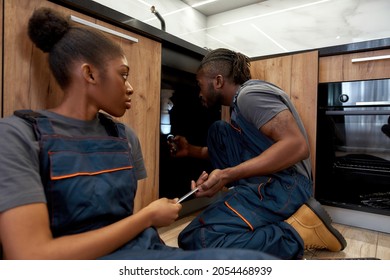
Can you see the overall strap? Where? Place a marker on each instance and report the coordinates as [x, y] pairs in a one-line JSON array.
[[40, 123], [112, 127], [43, 126]]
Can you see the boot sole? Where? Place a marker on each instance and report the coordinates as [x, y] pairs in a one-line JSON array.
[[317, 208]]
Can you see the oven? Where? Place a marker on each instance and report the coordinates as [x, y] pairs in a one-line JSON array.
[[353, 146]]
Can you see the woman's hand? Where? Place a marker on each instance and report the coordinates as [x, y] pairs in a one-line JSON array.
[[163, 211]]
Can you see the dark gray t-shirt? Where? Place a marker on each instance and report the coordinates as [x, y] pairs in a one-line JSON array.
[[20, 181]]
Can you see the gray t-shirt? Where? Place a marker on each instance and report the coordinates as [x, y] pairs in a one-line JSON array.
[[260, 106], [20, 181], [260, 102]]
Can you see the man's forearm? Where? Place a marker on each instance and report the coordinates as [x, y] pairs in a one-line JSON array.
[[198, 152]]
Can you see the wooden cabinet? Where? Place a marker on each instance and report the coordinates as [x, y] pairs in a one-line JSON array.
[[355, 66], [27, 82], [297, 75]]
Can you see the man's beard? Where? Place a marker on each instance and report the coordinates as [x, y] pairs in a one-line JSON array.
[[213, 100]]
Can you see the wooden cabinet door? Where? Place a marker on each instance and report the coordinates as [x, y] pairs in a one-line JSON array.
[[276, 70], [355, 66], [297, 75], [29, 84]]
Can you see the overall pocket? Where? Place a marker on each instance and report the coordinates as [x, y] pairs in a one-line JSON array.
[[89, 190]]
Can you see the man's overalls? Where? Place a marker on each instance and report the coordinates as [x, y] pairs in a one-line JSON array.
[[251, 215], [89, 183]]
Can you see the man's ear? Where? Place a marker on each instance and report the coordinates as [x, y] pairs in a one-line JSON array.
[[88, 73], [218, 81]]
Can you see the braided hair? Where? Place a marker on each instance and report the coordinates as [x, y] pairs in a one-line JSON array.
[[232, 65], [53, 33]]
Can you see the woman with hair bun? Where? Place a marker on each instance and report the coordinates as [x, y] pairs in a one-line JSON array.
[[69, 173]]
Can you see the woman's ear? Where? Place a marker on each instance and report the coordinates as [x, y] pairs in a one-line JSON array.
[[88, 73]]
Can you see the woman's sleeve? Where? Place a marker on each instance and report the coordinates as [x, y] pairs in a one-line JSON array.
[[20, 181], [136, 151]]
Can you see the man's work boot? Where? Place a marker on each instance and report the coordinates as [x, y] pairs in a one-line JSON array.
[[313, 224]]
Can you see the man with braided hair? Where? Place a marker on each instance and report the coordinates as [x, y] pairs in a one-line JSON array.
[[262, 156]]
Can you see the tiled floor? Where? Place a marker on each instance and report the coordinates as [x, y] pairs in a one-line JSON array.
[[361, 243]]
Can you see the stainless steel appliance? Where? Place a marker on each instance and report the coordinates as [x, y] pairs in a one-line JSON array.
[[353, 149]]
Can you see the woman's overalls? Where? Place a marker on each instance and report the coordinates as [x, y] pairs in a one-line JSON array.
[[251, 215], [89, 183]]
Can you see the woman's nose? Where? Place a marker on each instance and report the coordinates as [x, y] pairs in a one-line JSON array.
[[129, 88]]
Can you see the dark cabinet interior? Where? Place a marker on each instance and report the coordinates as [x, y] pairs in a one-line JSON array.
[[187, 118]]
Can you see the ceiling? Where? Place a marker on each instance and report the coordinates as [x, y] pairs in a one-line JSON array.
[[217, 7], [259, 28], [265, 27]]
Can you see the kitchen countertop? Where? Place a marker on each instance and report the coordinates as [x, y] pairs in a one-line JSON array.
[[356, 47], [177, 44]]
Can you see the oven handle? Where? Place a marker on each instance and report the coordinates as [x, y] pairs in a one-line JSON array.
[[369, 103], [357, 112]]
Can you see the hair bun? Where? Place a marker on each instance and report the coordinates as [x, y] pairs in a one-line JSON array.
[[46, 27]]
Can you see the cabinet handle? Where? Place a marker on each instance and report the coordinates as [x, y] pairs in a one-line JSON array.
[[102, 28], [354, 60]]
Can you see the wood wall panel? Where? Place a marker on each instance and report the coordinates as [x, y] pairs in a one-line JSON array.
[[27, 79], [29, 84]]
